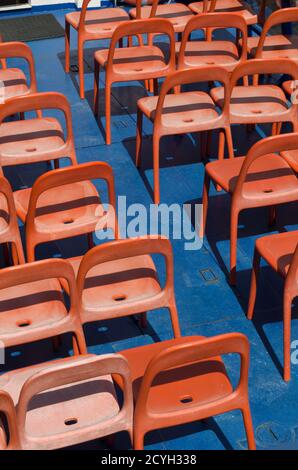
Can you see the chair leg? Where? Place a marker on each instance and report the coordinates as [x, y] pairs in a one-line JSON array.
[[156, 139], [155, 87], [56, 341], [96, 87], [249, 430], [221, 152], [205, 201], [253, 284], [108, 112], [175, 321], [233, 245], [79, 343], [272, 216], [230, 143], [67, 46], [143, 320], [90, 240], [56, 164], [287, 314], [81, 69], [139, 137], [138, 441]]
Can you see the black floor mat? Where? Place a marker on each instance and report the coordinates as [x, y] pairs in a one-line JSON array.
[[30, 28]]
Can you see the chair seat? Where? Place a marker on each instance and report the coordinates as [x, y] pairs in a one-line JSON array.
[[201, 382], [278, 250], [182, 111], [268, 177], [24, 141], [118, 284], [14, 82], [221, 53], [30, 306], [253, 103], [177, 13], [74, 205], [99, 23], [277, 46], [67, 408], [134, 62], [229, 6]]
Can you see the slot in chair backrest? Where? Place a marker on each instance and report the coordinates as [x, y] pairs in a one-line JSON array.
[[214, 21], [11, 234], [142, 26], [42, 101], [195, 75], [67, 176], [270, 145], [66, 374], [257, 67], [284, 15], [20, 50], [183, 354]]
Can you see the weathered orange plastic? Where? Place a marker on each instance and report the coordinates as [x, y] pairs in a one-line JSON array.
[[226, 6], [184, 380], [256, 103], [90, 25], [177, 13], [32, 305], [37, 139], [277, 46], [132, 63], [68, 401], [261, 179], [65, 203], [281, 252], [119, 278], [14, 79], [9, 229], [7, 408], [185, 112], [212, 52]]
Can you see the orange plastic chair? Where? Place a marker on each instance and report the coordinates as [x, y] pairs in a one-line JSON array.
[[184, 380], [280, 251], [32, 306], [256, 103], [177, 13], [7, 409], [65, 203], [226, 6], [223, 53], [184, 112], [132, 63], [38, 139], [119, 278], [90, 25], [261, 179], [13, 80], [275, 46], [83, 408], [9, 229]]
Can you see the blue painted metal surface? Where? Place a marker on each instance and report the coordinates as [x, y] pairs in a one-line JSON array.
[[207, 304]]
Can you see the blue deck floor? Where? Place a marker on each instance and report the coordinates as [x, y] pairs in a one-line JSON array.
[[207, 305]]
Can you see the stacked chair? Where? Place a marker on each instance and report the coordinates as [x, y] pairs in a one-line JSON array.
[[72, 400]]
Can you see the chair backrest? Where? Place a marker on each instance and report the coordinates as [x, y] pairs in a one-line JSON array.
[[181, 355], [284, 15], [67, 176], [257, 67], [41, 101], [120, 249], [7, 408], [193, 76], [20, 50], [42, 270], [270, 145], [214, 20], [67, 374], [84, 12], [143, 26], [11, 234]]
